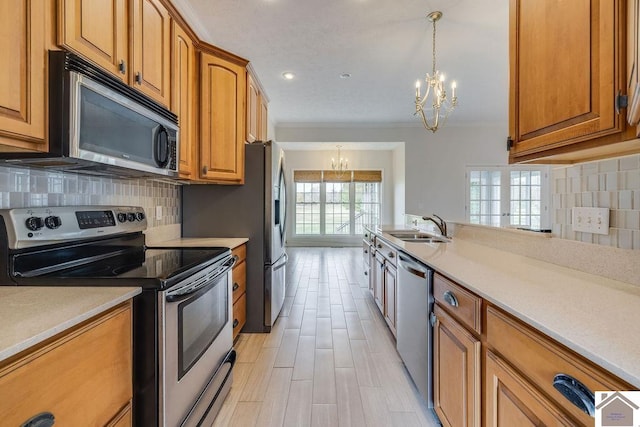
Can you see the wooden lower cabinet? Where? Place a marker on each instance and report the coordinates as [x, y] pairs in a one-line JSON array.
[[511, 400], [239, 288], [456, 372], [390, 289], [83, 377]]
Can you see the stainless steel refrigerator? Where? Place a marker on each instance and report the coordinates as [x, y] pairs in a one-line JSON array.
[[256, 210]]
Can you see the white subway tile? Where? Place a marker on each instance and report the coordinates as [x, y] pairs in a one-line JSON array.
[[625, 239], [608, 165], [612, 181], [593, 182], [630, 162], [631, 219], [625, 199], [632, 179]]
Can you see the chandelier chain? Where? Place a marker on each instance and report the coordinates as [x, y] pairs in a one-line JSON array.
[[433, 56]]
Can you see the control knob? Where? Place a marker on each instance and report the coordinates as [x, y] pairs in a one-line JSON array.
[[52, 222], [131, 216], [122, 217], [34, 223], [140, 216]]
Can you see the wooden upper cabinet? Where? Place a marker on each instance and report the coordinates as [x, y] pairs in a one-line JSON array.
[[182, 95], [150, 70], [566, 69], [97, 30], [633, 49], [264, 116], [253, 110], [23, 85], [222, 119]]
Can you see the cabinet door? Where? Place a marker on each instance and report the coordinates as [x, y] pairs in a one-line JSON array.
[[151, 49], [633, 49], [97, 30], [511, 400], [264, 119], [378, 282], [223, 86], [390, 287], [23, 84], [456, 373], [564, 70], [253, 110], [182, 99]]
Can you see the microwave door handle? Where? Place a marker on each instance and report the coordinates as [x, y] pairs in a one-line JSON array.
[[161, 146]]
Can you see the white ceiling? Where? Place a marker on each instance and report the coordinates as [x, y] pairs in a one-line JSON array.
[[384, 44]]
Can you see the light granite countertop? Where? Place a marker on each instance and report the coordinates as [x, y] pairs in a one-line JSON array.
[[186, 242], [592, 315], [30, 315]]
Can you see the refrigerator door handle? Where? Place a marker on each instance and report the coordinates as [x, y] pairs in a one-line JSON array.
[[279, 265]]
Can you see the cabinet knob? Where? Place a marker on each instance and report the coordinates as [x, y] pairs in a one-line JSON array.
[[433, 319], [122, 67], [235, 323], [379, 246], [391, 255], [43, 419], [450, 299], [576, 393], [366, 251], [139, 77], [235, 287], [366, 273], [205, 169]]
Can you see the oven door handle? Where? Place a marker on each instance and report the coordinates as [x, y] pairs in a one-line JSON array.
[[187, 291]]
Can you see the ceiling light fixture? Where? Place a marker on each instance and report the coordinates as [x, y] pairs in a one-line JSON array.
[[288, 75], [341, 166], [440, 106], [345, 75]]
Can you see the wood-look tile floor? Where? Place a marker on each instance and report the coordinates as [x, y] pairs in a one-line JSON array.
[[330, 359]]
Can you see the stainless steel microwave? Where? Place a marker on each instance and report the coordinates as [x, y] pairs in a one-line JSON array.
[[100, 126]]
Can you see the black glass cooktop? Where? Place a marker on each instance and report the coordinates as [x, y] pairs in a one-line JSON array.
[[113, 262]]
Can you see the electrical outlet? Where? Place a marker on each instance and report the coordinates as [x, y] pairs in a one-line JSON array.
[[158, 213], [590, 220]]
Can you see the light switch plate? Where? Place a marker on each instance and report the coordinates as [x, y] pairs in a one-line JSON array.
[[590, 220]]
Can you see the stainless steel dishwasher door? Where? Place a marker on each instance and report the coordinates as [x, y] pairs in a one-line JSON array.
[[414, 332]]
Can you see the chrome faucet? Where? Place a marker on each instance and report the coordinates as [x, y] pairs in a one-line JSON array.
[[440, 223]]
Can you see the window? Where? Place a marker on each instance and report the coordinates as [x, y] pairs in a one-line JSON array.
[[331, 204], [508, 196]]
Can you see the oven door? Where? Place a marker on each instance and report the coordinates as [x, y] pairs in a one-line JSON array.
[[195, 336]]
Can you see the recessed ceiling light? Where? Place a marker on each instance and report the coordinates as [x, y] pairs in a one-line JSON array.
[[288, 75], [345, 75]]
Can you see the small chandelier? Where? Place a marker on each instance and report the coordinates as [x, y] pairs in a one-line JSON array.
[[341, 166], [439, 106]]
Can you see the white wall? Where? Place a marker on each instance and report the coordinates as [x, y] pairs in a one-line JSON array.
[[434, 163], [398, 184], [358, 160]]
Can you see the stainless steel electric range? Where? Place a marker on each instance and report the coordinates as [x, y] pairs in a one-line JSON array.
[[182, 332]]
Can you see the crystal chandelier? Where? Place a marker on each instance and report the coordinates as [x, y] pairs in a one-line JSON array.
[[438, 106], [341, 166]]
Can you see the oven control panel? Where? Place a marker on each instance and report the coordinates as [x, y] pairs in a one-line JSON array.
[[28, 227]]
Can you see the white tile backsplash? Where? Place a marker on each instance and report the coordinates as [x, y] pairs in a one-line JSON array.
[[613, 184], [33, 187]]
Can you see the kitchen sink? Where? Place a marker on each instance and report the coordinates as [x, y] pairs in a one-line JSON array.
[[419, 237]]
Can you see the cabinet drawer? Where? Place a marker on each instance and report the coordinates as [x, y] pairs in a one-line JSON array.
[[83, 377], [239, 274], [388, 252], [239, 314], [462, 304], [240, 252], [540, 359]]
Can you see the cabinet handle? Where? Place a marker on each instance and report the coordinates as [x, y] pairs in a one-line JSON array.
[[379, 246], [235, 287], [139, 77], [235, 323], [122, 67], [366, 251], [450, 299], [366, 273], [433, 319], [366, 235], [391, 255], [205, 169], [43, 419], [576, 393]]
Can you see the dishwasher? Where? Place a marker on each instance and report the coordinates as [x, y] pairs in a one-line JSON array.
[[413, 330]]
